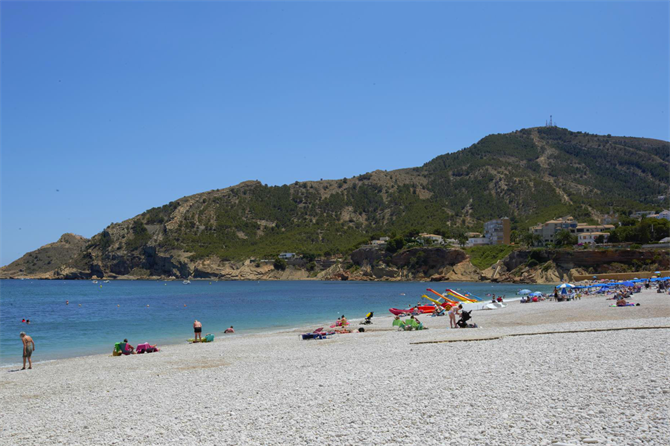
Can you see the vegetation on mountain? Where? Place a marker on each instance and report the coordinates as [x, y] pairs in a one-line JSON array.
[[485, 256], [530, 176], [645, 231]]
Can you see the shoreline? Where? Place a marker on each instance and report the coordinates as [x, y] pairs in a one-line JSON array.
[[377, 387]]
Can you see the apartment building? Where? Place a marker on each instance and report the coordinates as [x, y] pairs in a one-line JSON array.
[[497, 232]]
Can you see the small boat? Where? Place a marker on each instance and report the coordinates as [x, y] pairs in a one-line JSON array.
[[95, 281], [186, 282], [106, 281]]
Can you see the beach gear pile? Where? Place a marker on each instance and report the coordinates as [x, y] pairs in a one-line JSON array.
[[316, 334], [207, 338]]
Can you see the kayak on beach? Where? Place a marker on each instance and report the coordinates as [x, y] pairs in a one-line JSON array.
[[421, 309]]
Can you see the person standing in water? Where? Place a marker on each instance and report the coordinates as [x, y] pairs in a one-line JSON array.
[[197, 329], [28, 348]]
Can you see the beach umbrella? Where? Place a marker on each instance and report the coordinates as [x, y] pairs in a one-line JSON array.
[[566, 285], [535, 293], [628, 283], [524, 291]]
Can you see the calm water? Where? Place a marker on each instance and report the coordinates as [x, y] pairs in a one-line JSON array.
[[163, 312]]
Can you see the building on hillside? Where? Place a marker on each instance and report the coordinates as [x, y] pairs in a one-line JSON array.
[[609, 219], [641, 214], [451, 242], [589, 238], [547, 231], [287, 255], [384, 239], [431, 239], [587, 228], [473, 234], [664, 215], [381, 244], [476, 241], [497, 232]]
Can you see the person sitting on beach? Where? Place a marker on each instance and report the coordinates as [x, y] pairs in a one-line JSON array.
[[197, 329], [230, 330], [127, 348], [344, 321], [621, 302]]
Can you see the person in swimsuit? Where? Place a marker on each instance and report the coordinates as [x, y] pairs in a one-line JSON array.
[[28, 348], [197, 329], [455, 310], [230, 330]]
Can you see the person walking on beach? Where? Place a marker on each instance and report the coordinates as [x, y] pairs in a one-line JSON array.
[[28, 348], [197, 329]]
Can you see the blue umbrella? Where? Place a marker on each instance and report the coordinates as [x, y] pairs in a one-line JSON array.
[[524, 291], [536, 293]]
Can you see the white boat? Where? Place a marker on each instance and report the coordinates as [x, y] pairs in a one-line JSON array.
[[186, 282], [95, 281], [106, 281]]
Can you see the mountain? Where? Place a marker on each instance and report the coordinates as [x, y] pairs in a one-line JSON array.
[[530, 175], [47, 258]]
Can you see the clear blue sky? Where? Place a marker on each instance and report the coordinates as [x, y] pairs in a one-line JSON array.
[[109, 109]]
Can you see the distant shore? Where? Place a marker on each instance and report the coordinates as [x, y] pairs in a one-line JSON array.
[[376, 387]]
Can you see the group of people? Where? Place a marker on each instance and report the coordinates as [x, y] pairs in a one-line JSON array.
[[124, 348], [197, 330], [453, 311]]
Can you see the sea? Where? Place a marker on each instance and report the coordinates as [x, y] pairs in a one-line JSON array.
[[77, 318]]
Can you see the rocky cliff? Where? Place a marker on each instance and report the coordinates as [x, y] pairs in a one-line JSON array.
[[44, 261]]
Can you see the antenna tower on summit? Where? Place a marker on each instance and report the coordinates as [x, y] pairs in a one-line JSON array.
[[551, 122]]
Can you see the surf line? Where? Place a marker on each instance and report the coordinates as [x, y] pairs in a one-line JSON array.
[[492, 338]]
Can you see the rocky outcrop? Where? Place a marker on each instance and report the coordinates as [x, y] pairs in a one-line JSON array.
[[464, 272], [42, 262]]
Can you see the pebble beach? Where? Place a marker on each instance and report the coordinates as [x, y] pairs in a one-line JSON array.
[[378, 387]]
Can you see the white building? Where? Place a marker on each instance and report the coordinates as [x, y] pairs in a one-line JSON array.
[[476, 241], [589, 238], [286, 255], [641, 214], [432, 238]]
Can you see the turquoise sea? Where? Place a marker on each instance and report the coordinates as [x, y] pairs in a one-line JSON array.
[[98, 315]]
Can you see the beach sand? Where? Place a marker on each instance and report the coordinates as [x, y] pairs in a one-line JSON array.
[[372, 388]]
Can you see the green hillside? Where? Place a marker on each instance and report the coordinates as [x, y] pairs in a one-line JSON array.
[[530, 175]]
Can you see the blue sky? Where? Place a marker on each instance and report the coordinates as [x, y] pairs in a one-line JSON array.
[[109, 109]]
